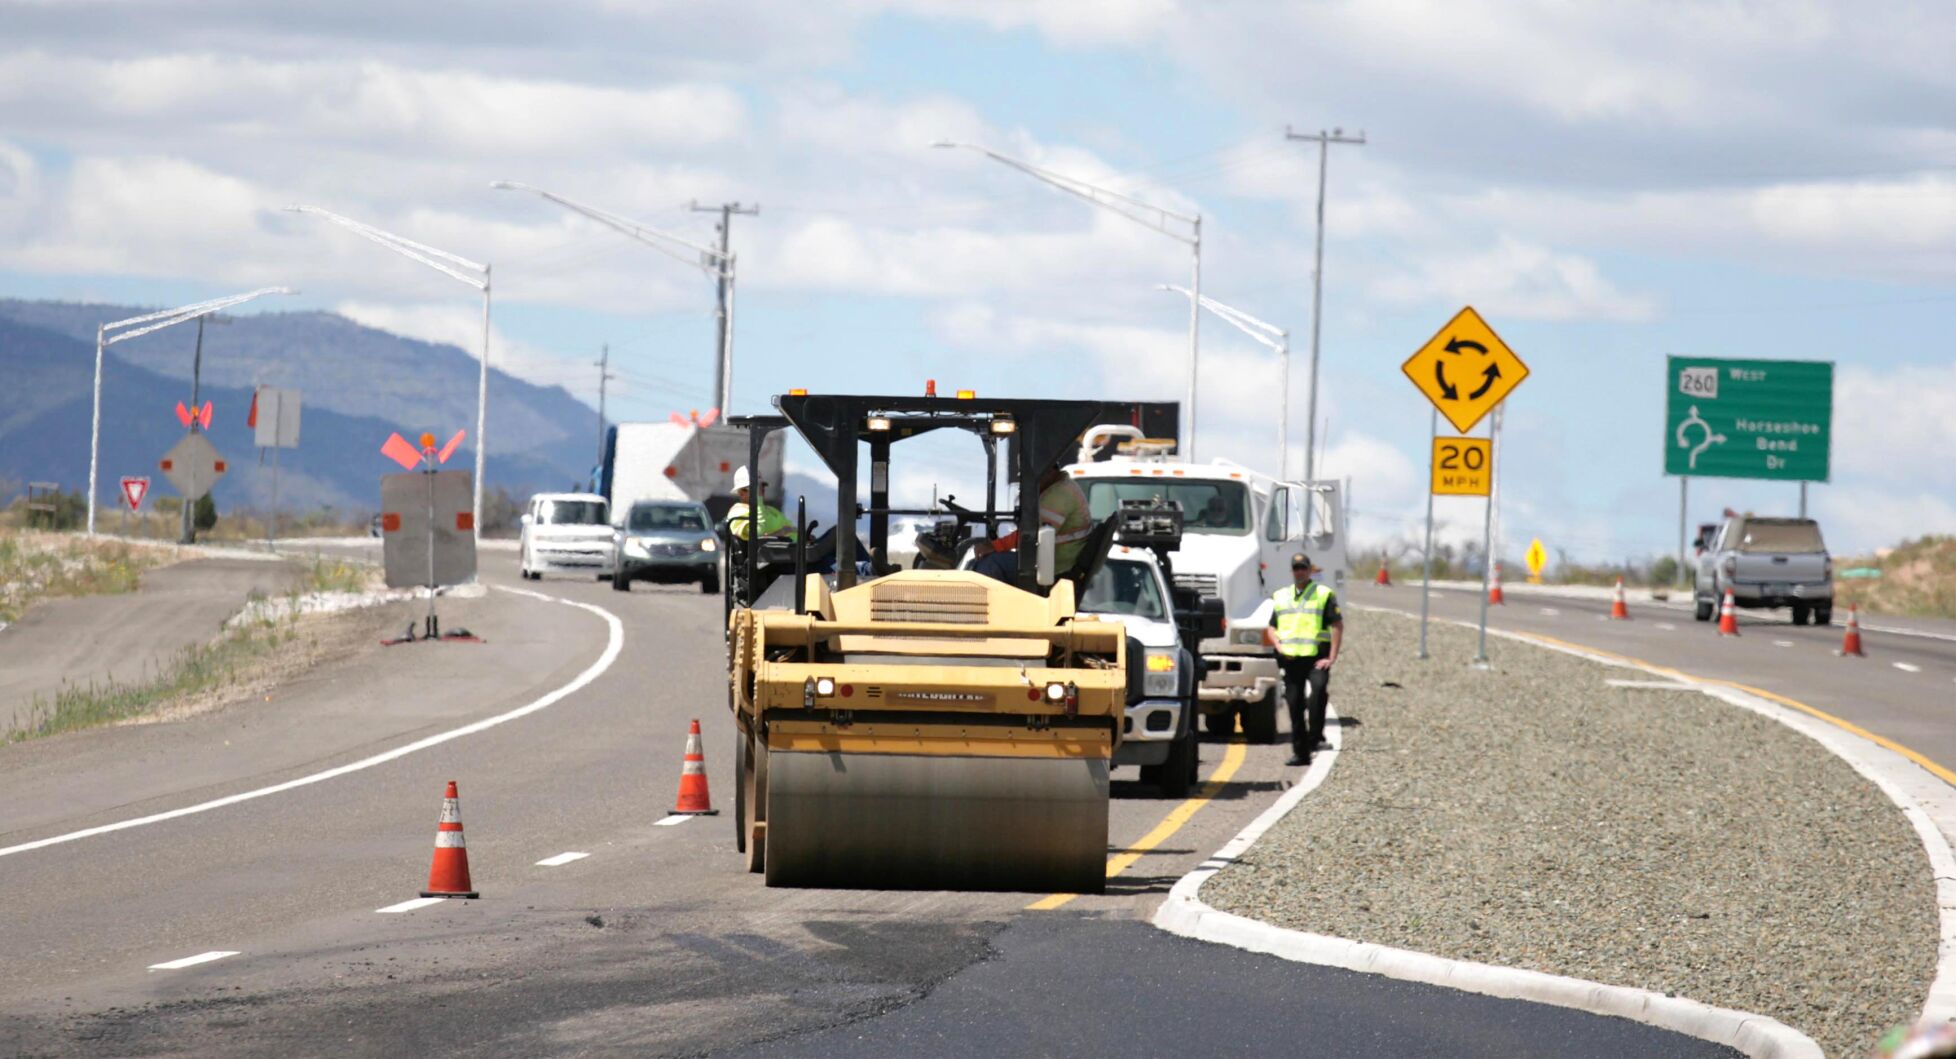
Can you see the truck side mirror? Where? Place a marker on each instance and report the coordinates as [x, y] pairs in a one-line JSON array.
[[525, 518], [1214, 624], [1048, 550]]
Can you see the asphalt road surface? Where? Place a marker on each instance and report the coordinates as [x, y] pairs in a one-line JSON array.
[[273, 832], [70, 642]]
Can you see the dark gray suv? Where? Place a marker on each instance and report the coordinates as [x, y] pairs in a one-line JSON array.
[[668, 542]]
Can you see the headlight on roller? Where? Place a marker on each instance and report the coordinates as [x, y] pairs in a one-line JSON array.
[[1161, 677]]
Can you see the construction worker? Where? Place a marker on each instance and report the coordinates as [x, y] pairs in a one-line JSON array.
[[1063, 506], [1310, 631], [773, 522]]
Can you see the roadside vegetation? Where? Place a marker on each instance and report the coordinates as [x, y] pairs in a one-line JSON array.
[[273, 639], [1451, 563], [1916, 578], [36, 566]]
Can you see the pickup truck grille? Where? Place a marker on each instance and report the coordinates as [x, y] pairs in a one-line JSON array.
[[1201, 584], [956, 604]]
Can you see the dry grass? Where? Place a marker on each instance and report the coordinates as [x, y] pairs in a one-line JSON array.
[[35, 566], [1918, 578]]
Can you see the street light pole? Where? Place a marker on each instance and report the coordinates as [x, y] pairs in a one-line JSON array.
[[455, 267], [1266, 334], [149, 322], [1167, 222], [717, 264], [1324, 141]]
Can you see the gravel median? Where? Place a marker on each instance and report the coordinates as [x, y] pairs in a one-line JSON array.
[[1533, 816]]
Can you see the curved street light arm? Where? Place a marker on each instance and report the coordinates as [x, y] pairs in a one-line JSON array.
[[1142, 213], [663, 242], [440, 260]]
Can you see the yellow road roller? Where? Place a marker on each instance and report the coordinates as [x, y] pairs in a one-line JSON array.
[[906, 728]]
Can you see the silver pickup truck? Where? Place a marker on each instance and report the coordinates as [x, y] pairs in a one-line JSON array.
[[1766, 562]]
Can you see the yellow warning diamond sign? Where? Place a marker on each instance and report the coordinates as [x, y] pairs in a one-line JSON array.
[[1537, 558], [1465, 370]]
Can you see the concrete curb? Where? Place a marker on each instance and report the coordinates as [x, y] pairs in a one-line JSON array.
[[1758, 1036]]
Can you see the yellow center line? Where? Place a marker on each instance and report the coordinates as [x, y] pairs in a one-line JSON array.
[[1916, 756], [1180, 815]]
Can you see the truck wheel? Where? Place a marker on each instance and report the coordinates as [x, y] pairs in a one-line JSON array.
[[1704, 611], [1260, 718], [1173, 776], [710, 584], [620, 582], [1800, 615], [1823, 615], [1222, 723]]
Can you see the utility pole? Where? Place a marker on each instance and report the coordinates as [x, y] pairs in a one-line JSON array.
[[604, 376], [1324, 141], [723, 351]]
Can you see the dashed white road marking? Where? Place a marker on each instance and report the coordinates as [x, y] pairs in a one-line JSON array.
[[192, 961], [411, 905], [1907, 667], [675, 819], [1666, 626], [560, 860], [1550, 611], [1782, 643], [614, 644]]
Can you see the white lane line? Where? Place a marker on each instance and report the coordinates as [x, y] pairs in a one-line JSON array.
[[1550, 611], [613, 646], [560, 860], [1782, 643], [1666, 626], [1654, 685], [411, 905], [1907, 668], [674, 820], [191, 961]]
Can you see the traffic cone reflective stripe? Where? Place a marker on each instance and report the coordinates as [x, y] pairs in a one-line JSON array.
[[1619, 610], [1384, 578], [1494, 588], [1851, 642], [693, 797], [448, 875], [1728, 619]]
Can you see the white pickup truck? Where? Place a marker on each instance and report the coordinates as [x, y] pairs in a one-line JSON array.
[[1766, 562], [1241, 527]]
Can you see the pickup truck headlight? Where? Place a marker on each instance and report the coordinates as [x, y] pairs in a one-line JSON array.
[[636, 546], [1161, 677], [708, 544]]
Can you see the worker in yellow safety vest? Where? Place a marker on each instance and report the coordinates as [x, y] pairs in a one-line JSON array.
[[1310, 631], [1063, 506], [772, 522]]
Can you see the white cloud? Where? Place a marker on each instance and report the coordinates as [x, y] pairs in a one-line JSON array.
[[461, 326], [1514, 278]]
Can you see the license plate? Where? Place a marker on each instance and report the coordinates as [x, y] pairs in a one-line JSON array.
[[1779, 590]]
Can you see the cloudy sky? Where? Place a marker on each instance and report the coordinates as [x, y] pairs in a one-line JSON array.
[[1606, 183]]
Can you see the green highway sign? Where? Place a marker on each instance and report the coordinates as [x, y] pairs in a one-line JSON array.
[[1748, 418]]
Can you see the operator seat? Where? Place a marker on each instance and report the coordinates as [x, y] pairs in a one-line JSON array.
[[1093, 552]]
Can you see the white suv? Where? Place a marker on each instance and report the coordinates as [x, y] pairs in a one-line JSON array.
[[567, 533]]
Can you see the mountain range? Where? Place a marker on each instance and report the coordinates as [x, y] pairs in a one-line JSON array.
[[357, 385]]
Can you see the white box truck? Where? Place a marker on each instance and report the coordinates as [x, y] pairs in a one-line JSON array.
[[682, 461]]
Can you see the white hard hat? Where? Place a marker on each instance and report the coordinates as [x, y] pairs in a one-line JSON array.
[[740, 478]]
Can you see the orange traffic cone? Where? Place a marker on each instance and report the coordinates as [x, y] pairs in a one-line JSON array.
[[1384, 578], [1494, 587], [1851, 643], [1619, 610], [1728, 619], [693, 797], [448, 876]]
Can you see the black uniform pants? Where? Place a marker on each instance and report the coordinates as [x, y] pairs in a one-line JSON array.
[[1305, 686]]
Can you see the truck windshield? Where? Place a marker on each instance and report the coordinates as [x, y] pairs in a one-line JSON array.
[[1776, 536], [668, 517], [571, 513], [1125, 587], [1207, 506]]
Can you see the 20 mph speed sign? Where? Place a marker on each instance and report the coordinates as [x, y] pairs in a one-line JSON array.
[[1463, 466]]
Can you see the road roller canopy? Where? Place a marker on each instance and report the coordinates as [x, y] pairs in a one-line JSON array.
[[1036, 435]]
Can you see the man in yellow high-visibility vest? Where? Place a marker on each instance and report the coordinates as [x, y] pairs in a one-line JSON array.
[[1310, 631]]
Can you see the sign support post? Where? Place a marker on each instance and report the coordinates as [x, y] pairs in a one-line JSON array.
[[1426, 581], [1684, 496], [1487, 529]]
